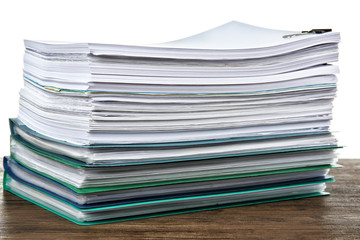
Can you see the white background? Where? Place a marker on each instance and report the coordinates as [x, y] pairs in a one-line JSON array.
[[144, 22]]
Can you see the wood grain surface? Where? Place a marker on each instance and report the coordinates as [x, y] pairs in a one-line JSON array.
[[331, 217]]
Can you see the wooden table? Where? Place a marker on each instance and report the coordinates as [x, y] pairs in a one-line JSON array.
[[331, 217]]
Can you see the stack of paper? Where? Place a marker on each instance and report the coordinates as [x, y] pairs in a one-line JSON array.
[[232, 116]]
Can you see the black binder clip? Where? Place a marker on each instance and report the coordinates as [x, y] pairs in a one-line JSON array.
[[312, 31], [318, 31]]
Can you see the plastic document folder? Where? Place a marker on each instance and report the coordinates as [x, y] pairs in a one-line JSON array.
[[232, 116], [160, 206]]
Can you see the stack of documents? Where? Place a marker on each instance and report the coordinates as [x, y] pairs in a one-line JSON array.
[[232, 116]]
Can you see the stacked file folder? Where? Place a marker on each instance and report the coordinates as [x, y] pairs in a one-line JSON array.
[[232, 116]]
